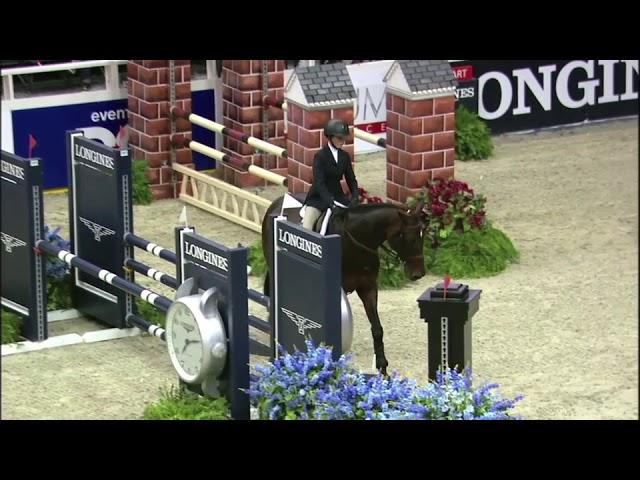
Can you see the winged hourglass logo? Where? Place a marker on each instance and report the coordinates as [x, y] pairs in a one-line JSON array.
[[98, 230], [10, 242], [301, 322]]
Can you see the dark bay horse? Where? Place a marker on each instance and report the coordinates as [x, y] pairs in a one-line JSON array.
[[364, 229]]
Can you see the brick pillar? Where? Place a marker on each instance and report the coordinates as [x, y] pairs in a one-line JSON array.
[[242, 111], [305, 138], [149, 123], [420, 143]]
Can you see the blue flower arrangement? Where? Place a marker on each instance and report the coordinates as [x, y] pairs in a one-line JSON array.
[[312, 386], [57, 273], [56, 268]]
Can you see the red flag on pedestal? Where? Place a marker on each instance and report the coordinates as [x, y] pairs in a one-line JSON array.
[[447, 281], [32, 144]]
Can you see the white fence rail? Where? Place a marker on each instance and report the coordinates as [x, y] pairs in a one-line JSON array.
[[112, 83]]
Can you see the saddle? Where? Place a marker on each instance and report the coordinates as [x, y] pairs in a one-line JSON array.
[[322, 225], [317, 227], [293, 215]]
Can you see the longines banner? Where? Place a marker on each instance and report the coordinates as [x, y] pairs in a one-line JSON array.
[[515, 95]]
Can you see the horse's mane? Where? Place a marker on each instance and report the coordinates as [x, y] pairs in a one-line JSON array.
[[361, 211], [376, 206]]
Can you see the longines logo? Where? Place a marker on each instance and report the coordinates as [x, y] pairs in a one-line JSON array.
[[466, 92], [93, 156], [301, 322], [13, 170], [10, 242], [574, 85], [300, 243], [98, 230], [206, 256]]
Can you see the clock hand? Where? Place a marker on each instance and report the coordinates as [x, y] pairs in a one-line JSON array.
[[188, 342]]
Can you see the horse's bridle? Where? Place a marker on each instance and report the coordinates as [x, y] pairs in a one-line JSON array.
[[393, 254]]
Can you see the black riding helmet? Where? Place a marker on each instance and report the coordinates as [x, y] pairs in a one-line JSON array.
[[335, 126]]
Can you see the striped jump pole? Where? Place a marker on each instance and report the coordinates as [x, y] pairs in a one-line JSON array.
[[280, 104], [271, 102], [157, 275], [149, 327], [181, 141], [162, 303], [369, 138], [235, 134], [165, 278], [258, 297], [151, 247], [260, 324]]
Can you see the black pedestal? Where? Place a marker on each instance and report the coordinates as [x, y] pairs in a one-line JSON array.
[[449, 320]]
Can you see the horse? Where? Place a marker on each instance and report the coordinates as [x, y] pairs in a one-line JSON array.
[[364, 228]]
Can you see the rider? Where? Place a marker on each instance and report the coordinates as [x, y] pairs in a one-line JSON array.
[[329, 166]]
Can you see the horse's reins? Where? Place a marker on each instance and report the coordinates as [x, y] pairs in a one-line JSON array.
[[368, 249]]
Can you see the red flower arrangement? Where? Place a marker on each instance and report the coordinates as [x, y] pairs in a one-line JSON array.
[[450, 205], [366, 198]]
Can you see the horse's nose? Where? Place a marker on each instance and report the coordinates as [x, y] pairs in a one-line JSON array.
[[417, 275], [414, 271]]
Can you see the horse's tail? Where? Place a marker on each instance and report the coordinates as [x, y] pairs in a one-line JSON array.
[[265, 286], [266, 239]]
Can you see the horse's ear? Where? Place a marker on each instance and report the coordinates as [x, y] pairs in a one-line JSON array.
[[417, 209]]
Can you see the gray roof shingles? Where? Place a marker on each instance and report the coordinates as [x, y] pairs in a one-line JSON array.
[[324, 83], [427, 74]]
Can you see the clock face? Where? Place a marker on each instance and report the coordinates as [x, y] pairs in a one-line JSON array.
[[186, 340]]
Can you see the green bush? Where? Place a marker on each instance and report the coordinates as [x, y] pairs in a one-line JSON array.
[[391, 275], [459, 240], [59, 293], [256, 260], [177, 403], [141, 191], [473, 136], [472, 254], [11, 324], [151, 313]]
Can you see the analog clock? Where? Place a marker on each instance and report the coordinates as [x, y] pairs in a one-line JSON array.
[[196, 337]]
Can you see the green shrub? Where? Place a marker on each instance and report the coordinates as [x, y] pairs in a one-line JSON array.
[[472, 254], [151, 313], [59, 293], [459, 240], [141, 191], [256, 260], [177, 403], [473, 136], [11, 324], [391, 275]]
